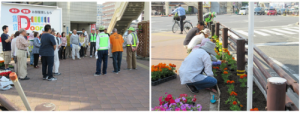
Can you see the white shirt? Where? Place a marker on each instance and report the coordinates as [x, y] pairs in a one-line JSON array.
[[97, 41], [195, 40], [193, 65], [129, 39], [13, 47]]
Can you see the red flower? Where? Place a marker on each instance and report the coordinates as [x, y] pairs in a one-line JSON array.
[[245, 75], [194, 99], [254, 109], [167, 99], [172, 101], [231, 82], [228, 81], [161, 103], [225, 68], [241, 77], [183, 95], [217, 67], [234, 102]]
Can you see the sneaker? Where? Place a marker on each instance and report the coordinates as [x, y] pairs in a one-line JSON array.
[[91, 56], [52, 79], [96, 74], [26, 78], [73, 58], [110, 57], [192, 88], [128, 69], [135, 68], [56, 74], [115, 72], [45, 78], [104, 74], [79, 58], [85, 55]]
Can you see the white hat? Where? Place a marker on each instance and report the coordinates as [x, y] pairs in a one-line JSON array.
[[93, 29], [206, 31], [209, 47]]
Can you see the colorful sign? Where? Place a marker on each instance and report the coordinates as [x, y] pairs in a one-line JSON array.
[[29, 17], [93, 26]]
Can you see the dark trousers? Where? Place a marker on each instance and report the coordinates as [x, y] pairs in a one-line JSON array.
[[117, 59], [47, 63], [102, 56], [62, 54], [59, 53], [181, 22], [81, 52], [92, 48], [36, 59]]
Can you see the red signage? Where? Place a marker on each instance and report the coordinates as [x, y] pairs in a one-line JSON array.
[[14, 10], [93, 26], [25, 11]]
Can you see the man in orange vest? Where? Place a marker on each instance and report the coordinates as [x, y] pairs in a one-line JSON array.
[[116, 41]]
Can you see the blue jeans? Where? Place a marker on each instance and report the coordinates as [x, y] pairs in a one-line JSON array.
[[208, 82], [117, 59], [31, 58], [102, 56]]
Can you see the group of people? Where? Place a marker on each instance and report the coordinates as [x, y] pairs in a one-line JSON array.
[[52, 47], [196, 70]]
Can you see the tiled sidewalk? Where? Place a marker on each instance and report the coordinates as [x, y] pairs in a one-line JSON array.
[[78, 90], [167, 47]]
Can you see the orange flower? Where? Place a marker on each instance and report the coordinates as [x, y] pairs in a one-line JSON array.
[[233, 93], [234, 102], [223, 61], [231, 82], [214, 67], [217, 67], [175, 71], [241, 105], [232, 58], [245, 75], [225, 69], [170, 69], [228, 81], [225, 72], [160, 69], [228, 53], [254, 109], [241, 77]]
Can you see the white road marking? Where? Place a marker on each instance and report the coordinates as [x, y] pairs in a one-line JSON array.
[[243, 32], [272, 32], [291, 29], [275, 44], [286, 68], [295, 27], [233, 35], [261, 33], [283, 31]]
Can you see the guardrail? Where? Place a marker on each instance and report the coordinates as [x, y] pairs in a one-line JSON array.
[[241, 62]]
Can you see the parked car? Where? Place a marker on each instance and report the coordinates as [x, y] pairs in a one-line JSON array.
[[259, 11], [243, 11], [272, 11]]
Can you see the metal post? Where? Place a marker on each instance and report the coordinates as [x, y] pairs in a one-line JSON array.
[[276, 93], [212, 29], [225, 38], [217, 29], [250, 55], [200, 12], [240, 53], [210, 23], [14, 78]]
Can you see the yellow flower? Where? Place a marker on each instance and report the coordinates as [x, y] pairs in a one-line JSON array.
[[220, 50], [217, 41], [220, 43]]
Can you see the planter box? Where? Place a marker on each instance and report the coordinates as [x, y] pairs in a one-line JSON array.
[[159, 81]]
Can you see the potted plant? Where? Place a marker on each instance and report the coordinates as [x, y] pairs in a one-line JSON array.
[[163, 72]]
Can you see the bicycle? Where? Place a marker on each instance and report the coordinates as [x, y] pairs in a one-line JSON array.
[[187, 26]]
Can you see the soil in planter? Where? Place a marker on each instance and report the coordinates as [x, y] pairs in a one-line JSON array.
[[259, 100]]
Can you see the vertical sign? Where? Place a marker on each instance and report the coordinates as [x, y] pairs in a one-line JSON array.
[[93, 26], [67, 29]]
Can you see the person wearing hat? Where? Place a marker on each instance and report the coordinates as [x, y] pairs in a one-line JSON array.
[[68, 47], [181, 13], [92, 40], [75, 44], [193, 66], [102, 46], [198, 39], [132, 45]]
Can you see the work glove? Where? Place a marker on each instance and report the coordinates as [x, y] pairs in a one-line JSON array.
[[71, 45], [79, 44], [215, 63], [96, 55]]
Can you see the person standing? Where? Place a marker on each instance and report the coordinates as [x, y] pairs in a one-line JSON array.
[[102, 45], [85, 35], [181, 13], [82, 45], [14, 50], [56, 54], [193, 32], [92, 40], [58, 41], [6, 46], [36, 49], [48, 45], [132, 45], [22, 45], [30, 47], [110, 54], [116, 41], [63, 45], [68, 47], [74, 41]]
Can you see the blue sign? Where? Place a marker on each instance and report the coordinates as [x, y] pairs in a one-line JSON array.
[[67, 30]]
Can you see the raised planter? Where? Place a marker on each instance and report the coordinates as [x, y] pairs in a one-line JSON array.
[[166, 79]]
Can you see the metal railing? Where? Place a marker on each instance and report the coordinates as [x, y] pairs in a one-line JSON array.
[[238, 45]]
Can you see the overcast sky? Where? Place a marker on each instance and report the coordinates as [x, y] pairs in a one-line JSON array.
[[100, 2]]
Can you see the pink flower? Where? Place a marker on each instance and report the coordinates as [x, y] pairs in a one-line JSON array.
[[184, 109], [177, 109], [160, 99]]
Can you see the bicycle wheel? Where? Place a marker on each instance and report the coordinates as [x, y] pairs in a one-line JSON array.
[[187, 26], [175, 27]]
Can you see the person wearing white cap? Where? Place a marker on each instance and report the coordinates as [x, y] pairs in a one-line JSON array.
[[193, 66], [92, 40], [198, 39]]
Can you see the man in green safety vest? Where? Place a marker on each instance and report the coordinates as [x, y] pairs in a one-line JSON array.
[[92, 43], [132, 45], [102, 46]]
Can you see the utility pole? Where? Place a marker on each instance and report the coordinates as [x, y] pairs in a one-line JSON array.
[[200, 12]]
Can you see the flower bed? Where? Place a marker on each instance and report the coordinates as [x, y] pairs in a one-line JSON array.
[[4, 72], [233, 88], [182, 103], [162, 73]]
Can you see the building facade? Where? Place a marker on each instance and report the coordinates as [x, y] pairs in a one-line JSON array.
[[107, 13], [99, 15]]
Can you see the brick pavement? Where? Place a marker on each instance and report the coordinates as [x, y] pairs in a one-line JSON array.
[[78, 90], [167, 47]]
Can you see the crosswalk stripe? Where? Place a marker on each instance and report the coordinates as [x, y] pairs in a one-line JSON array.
[[243, 32], [272, 32], [261, 33], [291, 29], [283, 31], [295, 27]]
